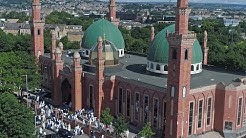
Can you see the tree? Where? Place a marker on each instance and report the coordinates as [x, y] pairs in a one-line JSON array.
[[120, 126], [147, 132], [65, 18], [13, 66], [16, 120], [22, 16], [106, 118], [68, 44], [10, 42], [47, 40]]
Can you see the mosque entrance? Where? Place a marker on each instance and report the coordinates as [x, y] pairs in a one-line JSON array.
[[66, 92]]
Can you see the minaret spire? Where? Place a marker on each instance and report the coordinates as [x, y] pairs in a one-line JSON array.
[[182, 17], [112, 13], [99, 77], [152, 33], [205, 48], [37, 30], [179, 75], [77, 83]]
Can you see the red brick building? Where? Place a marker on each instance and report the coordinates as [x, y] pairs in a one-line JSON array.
[[177, 105]]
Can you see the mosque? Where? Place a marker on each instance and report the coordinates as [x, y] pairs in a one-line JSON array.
[[173, 88]]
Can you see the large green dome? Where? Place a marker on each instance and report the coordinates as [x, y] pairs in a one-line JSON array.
[[158, 50], [102, 28]]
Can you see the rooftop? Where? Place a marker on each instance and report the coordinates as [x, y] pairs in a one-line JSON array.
[[133, 67]]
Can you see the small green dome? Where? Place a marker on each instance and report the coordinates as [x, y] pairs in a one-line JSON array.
[[102, 28], [159, 48]]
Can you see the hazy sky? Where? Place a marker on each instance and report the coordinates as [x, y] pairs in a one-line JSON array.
[[200, 1]]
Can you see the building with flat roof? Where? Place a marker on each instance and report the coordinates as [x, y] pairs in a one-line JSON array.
[[172, 87]]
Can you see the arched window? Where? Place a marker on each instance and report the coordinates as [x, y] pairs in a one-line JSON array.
[[165, 68], [39, 32], [158, 67], [172, 91], [184, 92], [152, 66], [192, 68], [186, 54], [197, 67], [174, 54]]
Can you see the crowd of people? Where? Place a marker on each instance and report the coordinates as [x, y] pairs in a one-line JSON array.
[[48, 117]]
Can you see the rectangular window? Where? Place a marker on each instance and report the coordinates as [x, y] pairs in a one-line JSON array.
[[228, 125], [128, 103], [239, 113], [172, 91], [91, 96], [155, 120], [191, 112], [164, 115], [209, 110], [137, 105], [164, 109], [171, 112], [146, 109], [230, 101], [171, 127], [39, 32], [120, 100], [200, 113]]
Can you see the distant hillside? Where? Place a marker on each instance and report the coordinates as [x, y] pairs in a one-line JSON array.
[[15, 3]]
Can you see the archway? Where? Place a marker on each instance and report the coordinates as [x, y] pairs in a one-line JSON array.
[[66, 92]]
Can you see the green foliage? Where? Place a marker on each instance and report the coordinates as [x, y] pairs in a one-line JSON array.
[[120, 126], [147, 132], [20, 42], [13, 66], [106, 118], [16, 120], [68, 19], [47, 40], [10, 42], [16, 15], [226, 46], [68, 44]]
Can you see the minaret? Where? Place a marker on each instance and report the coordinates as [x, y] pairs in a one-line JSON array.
[[112, 13], [205, 48], [152, 34], [37, 30], [99, 94], [77, 83], [53, 46], [57, 65], [179, 69]]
